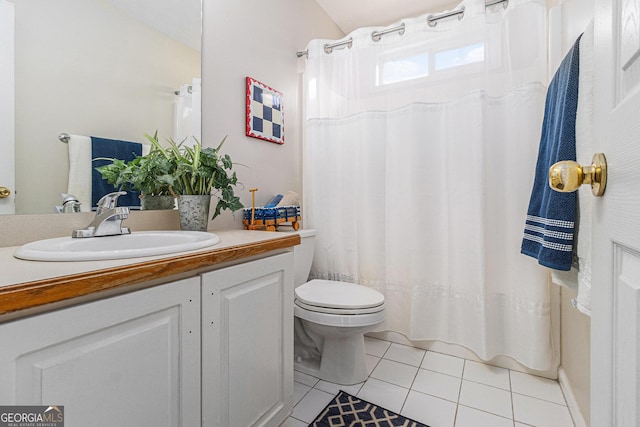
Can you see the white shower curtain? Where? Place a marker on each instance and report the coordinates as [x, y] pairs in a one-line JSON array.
[[188, 112], [419, 155]]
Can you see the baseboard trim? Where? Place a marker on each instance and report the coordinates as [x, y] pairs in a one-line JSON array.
[[572, 403]]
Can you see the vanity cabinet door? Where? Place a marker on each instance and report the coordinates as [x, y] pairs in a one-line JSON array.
[[247, 343], [130, 360]]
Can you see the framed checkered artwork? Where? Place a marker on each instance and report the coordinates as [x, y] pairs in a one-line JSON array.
[[265, 117]]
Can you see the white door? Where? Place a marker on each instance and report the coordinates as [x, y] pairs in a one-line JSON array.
[[7, 107], [615, 323]]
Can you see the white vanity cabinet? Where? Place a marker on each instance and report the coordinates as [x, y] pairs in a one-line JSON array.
[[215, 349], [247, 343], [129, 360]]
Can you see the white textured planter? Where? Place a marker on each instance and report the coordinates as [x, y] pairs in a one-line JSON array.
[[194, 212]]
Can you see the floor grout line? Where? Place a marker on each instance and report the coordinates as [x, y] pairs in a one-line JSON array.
[[459, 395], [513, 409], [455, 416], [542, 400]]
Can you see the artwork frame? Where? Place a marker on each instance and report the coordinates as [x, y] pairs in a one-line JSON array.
[[265, 112]]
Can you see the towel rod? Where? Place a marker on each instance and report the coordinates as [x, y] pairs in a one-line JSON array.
[[64, 137]]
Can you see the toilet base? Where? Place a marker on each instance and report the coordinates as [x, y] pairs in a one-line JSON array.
[[342, 362]]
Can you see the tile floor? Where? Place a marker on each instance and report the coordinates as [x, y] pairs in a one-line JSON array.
[[440, 391]]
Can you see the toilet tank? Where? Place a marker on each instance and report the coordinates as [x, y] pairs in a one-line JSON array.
[[303, 256]]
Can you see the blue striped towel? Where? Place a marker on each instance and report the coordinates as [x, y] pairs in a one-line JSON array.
[[112, 149], [551, 218]]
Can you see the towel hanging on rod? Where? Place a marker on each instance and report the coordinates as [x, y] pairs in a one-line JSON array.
[[551, 217]]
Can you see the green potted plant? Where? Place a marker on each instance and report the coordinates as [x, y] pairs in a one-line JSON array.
[[197, 174], [151, 175]]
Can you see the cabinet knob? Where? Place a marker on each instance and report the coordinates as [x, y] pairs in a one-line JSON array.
[[4, 192]]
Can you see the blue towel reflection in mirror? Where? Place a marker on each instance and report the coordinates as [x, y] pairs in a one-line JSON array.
[[112, 149]]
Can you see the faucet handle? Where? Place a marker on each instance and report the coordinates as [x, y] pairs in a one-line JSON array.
[[109, 201]]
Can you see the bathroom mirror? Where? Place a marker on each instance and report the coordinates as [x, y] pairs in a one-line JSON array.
[[107, 68]]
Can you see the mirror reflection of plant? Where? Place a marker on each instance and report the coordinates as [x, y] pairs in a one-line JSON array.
[[200, 171], [154, 175], [151, 175]]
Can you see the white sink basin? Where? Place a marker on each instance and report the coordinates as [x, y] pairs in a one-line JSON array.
[[140, 244]]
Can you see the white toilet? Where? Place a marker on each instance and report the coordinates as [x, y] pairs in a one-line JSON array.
[[331, 319]]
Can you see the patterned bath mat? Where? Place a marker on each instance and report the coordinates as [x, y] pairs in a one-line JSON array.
[[349, 411]]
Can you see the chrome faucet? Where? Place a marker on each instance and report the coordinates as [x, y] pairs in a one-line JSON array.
[[70, 203], [108, 220]]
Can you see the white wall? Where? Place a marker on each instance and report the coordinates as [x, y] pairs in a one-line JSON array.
[[257, 39], [232, 49], [84, 67], [567, 22]]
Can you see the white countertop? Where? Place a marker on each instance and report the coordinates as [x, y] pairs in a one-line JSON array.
[[14, 271]]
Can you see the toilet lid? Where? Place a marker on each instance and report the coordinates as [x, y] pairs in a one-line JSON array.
[[338, 295]]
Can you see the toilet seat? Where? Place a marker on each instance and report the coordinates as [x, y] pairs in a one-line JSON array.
[[346, 321], [330, 296], [334, 303], [339, 311]]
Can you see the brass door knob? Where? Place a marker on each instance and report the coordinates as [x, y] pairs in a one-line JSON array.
[[4, 192], [567, 176]]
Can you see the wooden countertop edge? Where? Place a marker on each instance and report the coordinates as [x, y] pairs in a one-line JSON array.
[[34, 294]]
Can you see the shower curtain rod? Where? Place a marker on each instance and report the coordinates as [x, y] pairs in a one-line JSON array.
[[377, 35], [189, 89], [328, 48], [432, 20]]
